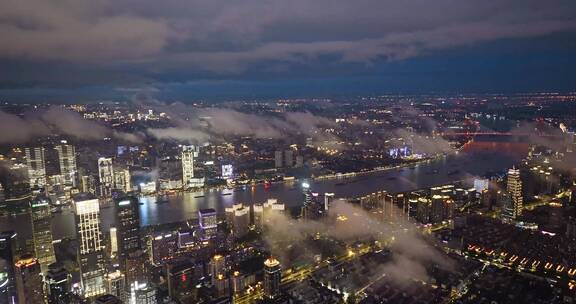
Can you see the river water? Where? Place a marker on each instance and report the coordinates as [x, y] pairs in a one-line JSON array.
[[181, 207]]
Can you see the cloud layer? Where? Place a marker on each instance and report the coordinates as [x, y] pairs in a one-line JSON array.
[[197, 125], [411, 252], [224, 37], [55, 120]]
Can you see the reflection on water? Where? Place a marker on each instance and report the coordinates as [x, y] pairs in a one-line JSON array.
[[183, 206]]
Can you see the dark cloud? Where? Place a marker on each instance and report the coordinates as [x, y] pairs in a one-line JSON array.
[[410, 249], [197, 125], [55, 120], [144, 39]]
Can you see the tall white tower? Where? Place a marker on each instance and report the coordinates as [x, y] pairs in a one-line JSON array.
[[189, 153], [67, 160], [106, 175], [514, 187], [36, 166], [91, 248]]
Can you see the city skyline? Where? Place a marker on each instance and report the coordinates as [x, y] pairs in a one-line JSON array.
[[287, 152]]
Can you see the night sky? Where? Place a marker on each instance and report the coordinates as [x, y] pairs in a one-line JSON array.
[[82, 50]]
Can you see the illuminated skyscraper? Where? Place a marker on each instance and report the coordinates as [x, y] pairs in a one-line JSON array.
[[106, 176], [146, 295], [208, 223], [128, 225], [36, 166], [128, 238], [115, 284], [113, 241], [272, 278], [258, 211], [29, 280], [514, 187], [122, 179], [91, 249], [7, 278], [328, 198], [241, 221], [42, 232], [189, 153], [181, 282], [58, 283], [67, 161]]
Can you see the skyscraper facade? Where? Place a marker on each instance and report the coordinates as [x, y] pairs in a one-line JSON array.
[[42, 232], [7, 278], [58, 283], [106, 176], [208, 223], [189, 154], [272, 278], [36, 166], [29, 280], [514, 188], [67, 161], [115, 284], [127, 225], [89, 236]]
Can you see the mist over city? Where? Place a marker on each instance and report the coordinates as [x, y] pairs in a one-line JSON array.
[[251, 152]]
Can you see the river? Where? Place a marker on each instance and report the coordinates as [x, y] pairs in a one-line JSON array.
[[177, 208]]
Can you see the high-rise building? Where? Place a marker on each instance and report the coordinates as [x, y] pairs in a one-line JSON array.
[[2, 195], [58, 283], [122, 179], [91, 249], [238, 282], [272, 278], [113, 242], [278, 159], [135, 266], [67, 161], [442, 208], [328, 198], [7, 279], [217, 266], [222, 284], [289, 158], [128, 225], [208, 223], [272, 206], [230, 213], [241, 221], [258, 211], [130, 254], [105, 176], [42, 232], [36, 166], [437, 208], [145, 295], [115, 284], [514, 187], [29, 280], [88, 184], [189, 154], [181, 282], [312, 208], [162, 247]]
